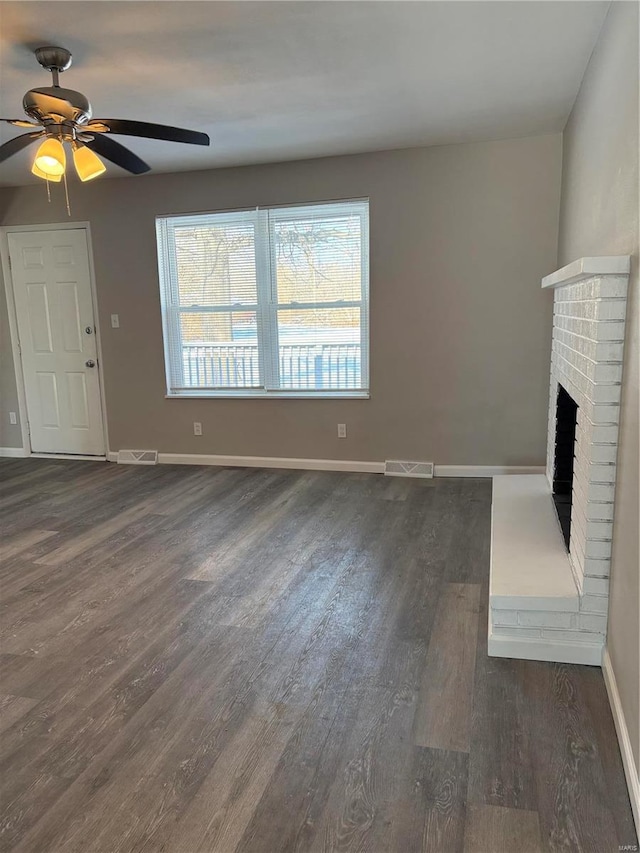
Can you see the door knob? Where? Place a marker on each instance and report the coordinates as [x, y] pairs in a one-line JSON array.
[[90, 363]]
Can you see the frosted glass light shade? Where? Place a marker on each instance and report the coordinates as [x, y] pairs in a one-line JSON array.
[[40, 174], [88, 165], [51, 158]]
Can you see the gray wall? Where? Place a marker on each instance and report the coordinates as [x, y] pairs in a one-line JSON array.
[[460, 330], [599, 216]]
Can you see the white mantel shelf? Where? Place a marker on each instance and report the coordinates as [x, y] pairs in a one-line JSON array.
[[585, 268]]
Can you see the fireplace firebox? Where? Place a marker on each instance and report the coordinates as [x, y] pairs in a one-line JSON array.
[[566, 419]]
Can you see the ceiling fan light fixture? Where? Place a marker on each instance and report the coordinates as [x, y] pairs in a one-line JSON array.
[[51, 158], [88, 164], [44, 175], [61, 115]]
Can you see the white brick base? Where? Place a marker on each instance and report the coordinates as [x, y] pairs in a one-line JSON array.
[[528, 645]]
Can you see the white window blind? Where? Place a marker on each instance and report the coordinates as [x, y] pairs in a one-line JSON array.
[[266, 301]]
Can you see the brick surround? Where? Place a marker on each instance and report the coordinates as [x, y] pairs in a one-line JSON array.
[[586, 359], [587, 351]]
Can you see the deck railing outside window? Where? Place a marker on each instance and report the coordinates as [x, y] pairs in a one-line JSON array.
[[231, 365]]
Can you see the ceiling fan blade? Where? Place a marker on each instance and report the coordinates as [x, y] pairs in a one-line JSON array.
[[149, 131], [19, 122], [14, 145], [118, 154]]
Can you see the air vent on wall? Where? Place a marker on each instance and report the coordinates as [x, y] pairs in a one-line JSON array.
[[137, 457], [395, 468]]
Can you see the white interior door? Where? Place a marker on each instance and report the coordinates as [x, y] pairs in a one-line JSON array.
[[56, 329]]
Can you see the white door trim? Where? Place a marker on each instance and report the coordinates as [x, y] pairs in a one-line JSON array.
[[13, 322]]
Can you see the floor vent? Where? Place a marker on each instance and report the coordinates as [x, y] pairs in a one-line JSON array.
[[395, 468], [137, 457]]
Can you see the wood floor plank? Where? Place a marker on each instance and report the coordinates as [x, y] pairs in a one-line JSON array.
[[420, 599], [12, 708], [502, 830], [573, 800], [98, 534], [16, 574], [19, 543], [594, 694], [303, 776], [442, 776], [364, 802], [468, 553], [13, 669], [501, 768], [443, 715], [221, 810]]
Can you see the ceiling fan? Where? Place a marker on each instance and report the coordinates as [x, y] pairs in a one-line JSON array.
[[60, 115]]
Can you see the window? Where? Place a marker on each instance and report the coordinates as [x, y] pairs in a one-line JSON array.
[[266, 301]]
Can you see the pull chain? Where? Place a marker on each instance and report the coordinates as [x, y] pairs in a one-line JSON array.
[[66, 193], [48, 192]]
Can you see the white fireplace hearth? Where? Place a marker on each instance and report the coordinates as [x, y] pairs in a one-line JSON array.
[[547, 601]]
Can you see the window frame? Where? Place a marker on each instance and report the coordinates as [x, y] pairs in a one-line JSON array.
[[266, 308]]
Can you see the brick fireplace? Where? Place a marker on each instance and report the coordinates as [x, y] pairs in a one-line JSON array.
[[550, 561]]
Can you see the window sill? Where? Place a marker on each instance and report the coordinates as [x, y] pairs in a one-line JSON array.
[[270, 395]]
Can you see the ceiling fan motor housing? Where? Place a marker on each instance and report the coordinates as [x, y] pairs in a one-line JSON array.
[[57, 104]]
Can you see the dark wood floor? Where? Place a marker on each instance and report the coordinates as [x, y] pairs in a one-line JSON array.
[[202, 659]]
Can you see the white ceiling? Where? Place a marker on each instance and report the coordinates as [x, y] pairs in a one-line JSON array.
[[274, 81]]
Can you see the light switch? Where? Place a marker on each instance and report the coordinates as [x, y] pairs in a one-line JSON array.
[[115, 321]]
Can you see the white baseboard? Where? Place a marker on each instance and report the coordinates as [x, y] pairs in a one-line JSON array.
[[485, 470], [17, 452], [628, 760], [70, 457], [265, 462], [327, 464], [272, 462]]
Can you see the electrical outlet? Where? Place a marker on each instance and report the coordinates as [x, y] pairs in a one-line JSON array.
[[197, 428], [115, 321], [13, 418], [342, 430]]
